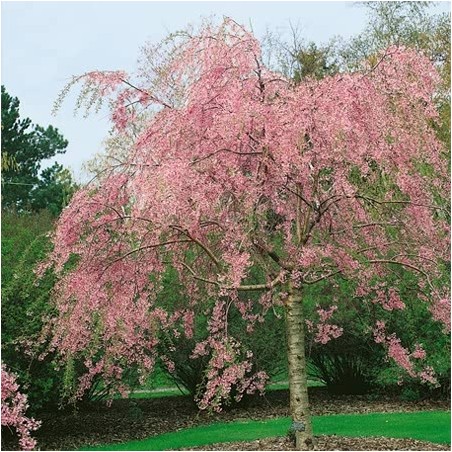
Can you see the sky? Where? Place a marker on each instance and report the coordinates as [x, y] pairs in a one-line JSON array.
[[43, 44]]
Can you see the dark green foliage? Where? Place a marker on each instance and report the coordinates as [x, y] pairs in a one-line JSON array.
[[416, 326], [347, 366], [350, 363], [26, 305], [24, 147], [25, 301], [354, 363], [53, 190], [312, 61]]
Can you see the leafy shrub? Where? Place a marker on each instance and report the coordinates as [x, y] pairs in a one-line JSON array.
[[25, 301], [355, 364], [26, 305]]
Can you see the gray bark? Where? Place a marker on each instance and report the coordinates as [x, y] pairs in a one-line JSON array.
[[298, 381]]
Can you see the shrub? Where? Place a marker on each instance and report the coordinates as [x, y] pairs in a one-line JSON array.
[[355, 364], [25, 301]]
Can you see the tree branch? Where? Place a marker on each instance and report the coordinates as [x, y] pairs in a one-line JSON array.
[[245, 288], [224, 150], [145, 247], [365, 225], [329, 275], [198, 242], [404, 264]]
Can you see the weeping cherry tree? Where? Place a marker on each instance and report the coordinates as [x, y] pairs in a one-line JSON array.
[[230, 167]]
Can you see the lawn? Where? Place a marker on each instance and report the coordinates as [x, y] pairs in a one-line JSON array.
[[431, 426], [172, 391]]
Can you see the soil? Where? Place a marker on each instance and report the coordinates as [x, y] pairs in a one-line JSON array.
[[331, 443], [134, 419]]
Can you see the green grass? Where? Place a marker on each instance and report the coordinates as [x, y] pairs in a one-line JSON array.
[[155, 394], [431, 426], [171, 391]]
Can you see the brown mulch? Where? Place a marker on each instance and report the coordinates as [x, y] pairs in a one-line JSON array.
[[330, 443], [137, 419]]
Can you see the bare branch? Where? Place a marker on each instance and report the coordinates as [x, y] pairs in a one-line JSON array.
[[403, 264], [245, 288], [298, 195], [378, 201], [365, 225], [271, 254], [224, 150], [198, 242], [146, 247], [329, 275]]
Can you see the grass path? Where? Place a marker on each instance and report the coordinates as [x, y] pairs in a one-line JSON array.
[[169, 391], [431, 426]]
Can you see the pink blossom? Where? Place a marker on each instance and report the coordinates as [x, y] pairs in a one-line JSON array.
[[419, 352], [428, 376], [440, 310], [14, 406], [324, 332], [389, 299], [402, 357]]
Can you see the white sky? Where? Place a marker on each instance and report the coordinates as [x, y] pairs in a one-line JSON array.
[[44, 43]]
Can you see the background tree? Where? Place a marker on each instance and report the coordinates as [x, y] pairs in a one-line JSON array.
[[53, 190], [298, 59], [240, 167], [403, 24], [25, 146]]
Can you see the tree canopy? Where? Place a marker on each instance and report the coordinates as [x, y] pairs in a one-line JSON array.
[[239, 167], [24, 147]]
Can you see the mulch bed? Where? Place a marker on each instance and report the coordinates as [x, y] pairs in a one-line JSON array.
[[330, 443], [136, 419]]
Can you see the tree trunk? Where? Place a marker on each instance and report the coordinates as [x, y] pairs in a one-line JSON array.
[[298, 381]]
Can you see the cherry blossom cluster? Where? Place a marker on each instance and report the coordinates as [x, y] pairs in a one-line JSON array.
[[227, 372], [14, 406], [402, 357], [389, 299], [324, 331], [440, 309]]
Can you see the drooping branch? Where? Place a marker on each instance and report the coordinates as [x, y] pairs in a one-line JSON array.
[[200, 159], [146, 247], [404, 264], [147, 94], [198, 242]]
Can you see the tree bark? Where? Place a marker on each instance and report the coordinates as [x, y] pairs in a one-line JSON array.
[[298, 381]]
